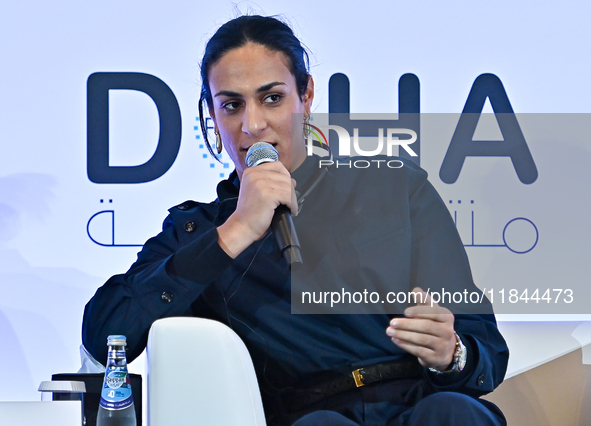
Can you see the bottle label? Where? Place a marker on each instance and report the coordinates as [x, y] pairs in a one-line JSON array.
[[116, 393]]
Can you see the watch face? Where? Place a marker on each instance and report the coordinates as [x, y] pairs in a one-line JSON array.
[[460, 356], [459, 360]]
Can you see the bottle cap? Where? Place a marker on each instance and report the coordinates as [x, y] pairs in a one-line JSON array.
[[62, 386], [117, 340]]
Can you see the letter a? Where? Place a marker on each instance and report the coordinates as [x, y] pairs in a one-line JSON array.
[[513, 144]]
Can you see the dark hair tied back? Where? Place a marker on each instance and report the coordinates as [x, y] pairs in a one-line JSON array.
[[263, 30]]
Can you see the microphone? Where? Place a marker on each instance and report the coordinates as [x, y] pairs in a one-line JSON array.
[[282, 223]]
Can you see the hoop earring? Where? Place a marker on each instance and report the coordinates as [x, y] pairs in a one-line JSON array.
[[306, 124], [218, 143]]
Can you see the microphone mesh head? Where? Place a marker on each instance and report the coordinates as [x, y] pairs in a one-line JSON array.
[[261, 152]]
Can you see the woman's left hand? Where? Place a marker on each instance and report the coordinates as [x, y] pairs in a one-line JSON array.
[[427, 332]]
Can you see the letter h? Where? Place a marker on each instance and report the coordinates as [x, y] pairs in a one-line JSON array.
[[408, 108]]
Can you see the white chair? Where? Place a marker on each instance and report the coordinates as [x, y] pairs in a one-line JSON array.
[[201, 374]]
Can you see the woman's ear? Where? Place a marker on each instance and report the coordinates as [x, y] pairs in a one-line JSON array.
[[309, 95], [211, 114]]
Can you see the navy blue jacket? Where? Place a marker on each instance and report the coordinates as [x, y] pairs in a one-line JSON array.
[[379, 228]]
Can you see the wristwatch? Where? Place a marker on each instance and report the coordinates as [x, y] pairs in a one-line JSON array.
[[459, 360]]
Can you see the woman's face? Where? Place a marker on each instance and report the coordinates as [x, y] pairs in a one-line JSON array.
[[254, 96]]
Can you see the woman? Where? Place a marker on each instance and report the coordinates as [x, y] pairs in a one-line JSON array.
[[216, 260]]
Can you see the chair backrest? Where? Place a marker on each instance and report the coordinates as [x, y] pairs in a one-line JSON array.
[[200, 373]]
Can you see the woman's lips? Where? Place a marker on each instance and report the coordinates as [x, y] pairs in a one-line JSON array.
[[274, 144]]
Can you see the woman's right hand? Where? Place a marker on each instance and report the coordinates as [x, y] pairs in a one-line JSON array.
[[262, 189]]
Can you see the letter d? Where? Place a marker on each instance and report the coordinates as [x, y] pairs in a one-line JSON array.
[[169, 140]]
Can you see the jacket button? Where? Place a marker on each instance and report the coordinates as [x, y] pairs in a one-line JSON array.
[[190, 226], [167, 297], [480, 380], [182, 207]]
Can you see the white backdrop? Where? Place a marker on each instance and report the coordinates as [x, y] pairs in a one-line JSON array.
[[49, 267]]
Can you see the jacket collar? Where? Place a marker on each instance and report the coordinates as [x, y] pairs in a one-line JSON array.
[[228, 188]]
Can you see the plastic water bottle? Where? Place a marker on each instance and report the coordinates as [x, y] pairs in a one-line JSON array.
[[116, 407]]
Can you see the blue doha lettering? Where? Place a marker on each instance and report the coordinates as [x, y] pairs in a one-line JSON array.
[[513, 144], [408, 107], [169, 141], [462, 145]]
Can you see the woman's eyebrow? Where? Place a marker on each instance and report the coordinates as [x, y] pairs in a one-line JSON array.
[[269, 86], [261, 89], [227, 93]]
